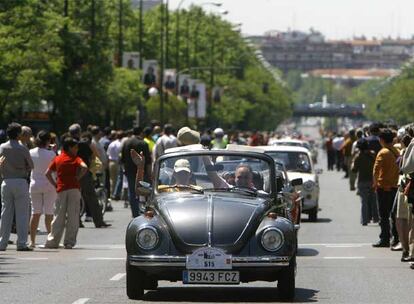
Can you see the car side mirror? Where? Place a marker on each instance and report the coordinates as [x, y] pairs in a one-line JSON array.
[[296, 182], [318, 171], [144, 188]]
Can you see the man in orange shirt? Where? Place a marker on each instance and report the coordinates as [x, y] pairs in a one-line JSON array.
[[386, 173]]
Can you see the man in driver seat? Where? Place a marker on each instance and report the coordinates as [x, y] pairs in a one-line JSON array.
[[243, 176]]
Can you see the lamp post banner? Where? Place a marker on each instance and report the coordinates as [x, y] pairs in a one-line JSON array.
[[169, 79], [130, 60], [150, 75], [184, 84]]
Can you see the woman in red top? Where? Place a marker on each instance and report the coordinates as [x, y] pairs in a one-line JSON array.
[[69, 169]]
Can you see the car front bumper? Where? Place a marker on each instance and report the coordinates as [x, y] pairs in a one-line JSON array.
[[143, 261]]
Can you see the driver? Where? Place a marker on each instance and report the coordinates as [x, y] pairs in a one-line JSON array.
[[243, 176]]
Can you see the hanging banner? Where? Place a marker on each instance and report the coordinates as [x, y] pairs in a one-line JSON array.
[[202, 100], [185, 83], [150, 74], [192, 99], [130, 60], [169, 80]]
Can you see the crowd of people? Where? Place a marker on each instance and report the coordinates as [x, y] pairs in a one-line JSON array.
[[378, 161], [50, 175]]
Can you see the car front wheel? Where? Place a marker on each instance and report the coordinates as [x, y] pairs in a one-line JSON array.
[[135, 279], [286, 282]]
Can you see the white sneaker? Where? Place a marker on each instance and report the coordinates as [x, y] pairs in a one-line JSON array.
[[88, 219]]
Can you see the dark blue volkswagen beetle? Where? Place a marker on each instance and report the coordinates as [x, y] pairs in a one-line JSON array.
[[208, 222]]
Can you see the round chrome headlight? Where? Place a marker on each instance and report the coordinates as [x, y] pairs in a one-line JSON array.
[[147, 238], [272, 239], [308, 185]]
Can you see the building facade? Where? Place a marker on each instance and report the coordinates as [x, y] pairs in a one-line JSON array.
[[294, 50]]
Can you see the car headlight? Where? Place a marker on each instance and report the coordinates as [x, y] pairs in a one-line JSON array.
[[147, 238], [272, 239], [308, 185]]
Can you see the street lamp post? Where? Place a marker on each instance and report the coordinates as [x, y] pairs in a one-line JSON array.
[[120, 33], [141, 32]]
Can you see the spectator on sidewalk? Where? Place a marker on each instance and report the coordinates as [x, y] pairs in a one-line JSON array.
[[337, 143], [386, 175], [404, 216], [69, 169], [330, 152], [42, 193], [362, 166], [166, 141], [15, 167], [113, 152], [148, 138], [136, 142], [87, 182]]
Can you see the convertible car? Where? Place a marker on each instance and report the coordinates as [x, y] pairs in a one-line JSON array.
[[208, 222], [298, 164]]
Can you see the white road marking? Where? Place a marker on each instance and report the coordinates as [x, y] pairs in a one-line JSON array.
[[102, 246], [81, 301], [337, 244], [33, 259], [104, 259], [344, 258], [344, 246], [117, 277]]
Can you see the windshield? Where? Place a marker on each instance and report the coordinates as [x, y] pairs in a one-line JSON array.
[[199, 173], [293, 161]]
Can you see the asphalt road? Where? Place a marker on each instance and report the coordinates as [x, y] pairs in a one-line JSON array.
[[336, 264]]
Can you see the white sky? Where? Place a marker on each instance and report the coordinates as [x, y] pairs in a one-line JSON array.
[[334, 18]]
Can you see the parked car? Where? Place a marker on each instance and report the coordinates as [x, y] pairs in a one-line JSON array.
[[298, 163], [215, 227]]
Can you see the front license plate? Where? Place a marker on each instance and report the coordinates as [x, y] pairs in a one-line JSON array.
[[210, 277]]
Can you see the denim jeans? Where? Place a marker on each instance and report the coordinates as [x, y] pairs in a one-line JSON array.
[[369, 208], [118, 187], [133, 199]]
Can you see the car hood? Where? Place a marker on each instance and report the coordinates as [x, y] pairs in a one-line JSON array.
[[304, 176], [217, 220]]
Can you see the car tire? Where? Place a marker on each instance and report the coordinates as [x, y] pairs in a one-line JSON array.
[[135, 279], [313, 214], [286, 282]]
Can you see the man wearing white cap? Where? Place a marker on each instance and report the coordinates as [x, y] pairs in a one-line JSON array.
[[182, 172]]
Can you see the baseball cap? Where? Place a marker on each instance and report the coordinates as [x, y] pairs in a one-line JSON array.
[[182, 165]]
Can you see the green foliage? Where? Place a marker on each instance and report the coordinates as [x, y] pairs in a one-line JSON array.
[[29, 55], [174, 109], [70, 61]]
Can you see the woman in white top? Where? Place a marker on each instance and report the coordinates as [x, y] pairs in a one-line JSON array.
[[42, 193]]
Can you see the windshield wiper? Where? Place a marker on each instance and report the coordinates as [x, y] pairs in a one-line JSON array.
[[190, 187]]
